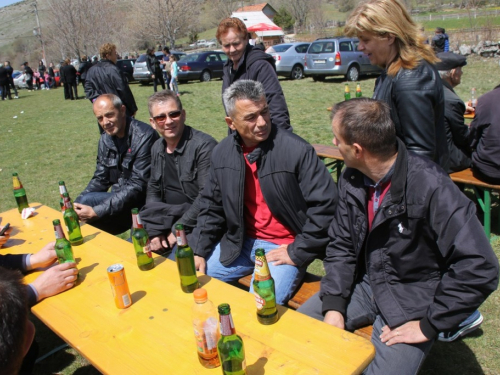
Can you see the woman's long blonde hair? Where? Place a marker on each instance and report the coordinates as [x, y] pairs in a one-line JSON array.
[[383, 17]]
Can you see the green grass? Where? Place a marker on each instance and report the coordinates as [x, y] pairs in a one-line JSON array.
[[56, 140]]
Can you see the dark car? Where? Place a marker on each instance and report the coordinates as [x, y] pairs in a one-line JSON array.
[[203, 66], [127, 67], [141, 71]]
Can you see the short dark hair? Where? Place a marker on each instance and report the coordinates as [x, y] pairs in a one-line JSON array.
[[13, 320], [166, 50], [161, 97], [367, 122]]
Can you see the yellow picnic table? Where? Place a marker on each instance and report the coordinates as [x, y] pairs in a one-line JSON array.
[[155, 335]]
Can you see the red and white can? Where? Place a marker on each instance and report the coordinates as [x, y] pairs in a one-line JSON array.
[[119, 286]]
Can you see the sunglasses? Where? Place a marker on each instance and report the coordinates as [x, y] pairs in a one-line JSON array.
[[163, 117]]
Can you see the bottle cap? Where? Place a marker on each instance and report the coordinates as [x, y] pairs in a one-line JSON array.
[[200, 295]]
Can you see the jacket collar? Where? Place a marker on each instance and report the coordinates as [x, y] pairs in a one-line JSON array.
[[447, 85], [261, 148], [185, 137], [108, 140]]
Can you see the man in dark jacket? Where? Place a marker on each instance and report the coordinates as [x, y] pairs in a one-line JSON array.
[[457, 133], [485, 138], [154, 67], [123, 164], [105, 78], [4, 82], [179, 167], [407, 252], [84, 67], [266, 189], [68, 74], [29, 75], [246, 62], [10, 71], [439, 39]]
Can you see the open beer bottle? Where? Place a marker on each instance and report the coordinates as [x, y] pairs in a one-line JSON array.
[[184, 257], [263, 288], [63, 248], [62, 190], [230, 346], [140, 240], [19, 193], [71, 220], [347, 92], [206, 329], [359, 94]]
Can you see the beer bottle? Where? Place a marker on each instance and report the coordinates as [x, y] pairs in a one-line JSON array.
[[230, 346], [359, 94], [63, 248], [347, 92], [206, 329], [185, 261], [263, 288], [62, 190], [19, 193], [140, 239], [71, 220]]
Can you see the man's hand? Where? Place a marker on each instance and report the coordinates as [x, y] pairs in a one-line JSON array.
[[158, 243], [408, 333], [5, 237], [56, 279], [280, 256], [44, 257], [334, 318], [200, 264], [85, 213], [153, 76], [172, 240]]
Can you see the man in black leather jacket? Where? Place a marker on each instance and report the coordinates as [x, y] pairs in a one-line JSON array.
[[179, 167], [123, 164], [266, 189], [407, 252], [105, 78]]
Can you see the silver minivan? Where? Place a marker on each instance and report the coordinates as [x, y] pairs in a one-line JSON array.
[[337, 56]]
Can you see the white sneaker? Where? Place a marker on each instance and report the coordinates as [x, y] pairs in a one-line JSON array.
[[16, 97]]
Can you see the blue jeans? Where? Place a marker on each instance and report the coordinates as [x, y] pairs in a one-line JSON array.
[[113, 224], [398, 359], [286, 277]]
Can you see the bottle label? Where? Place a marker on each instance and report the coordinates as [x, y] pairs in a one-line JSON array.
[[147, 250], [259, 301], [181, 238], [261, 269], [62, 189], [227, 325], [17, 183], [206, 336], [136, 221], [67, 203], [58, 232]]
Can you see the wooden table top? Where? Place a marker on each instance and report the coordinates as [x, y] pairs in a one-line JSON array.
[[328, 151], [155, 334]]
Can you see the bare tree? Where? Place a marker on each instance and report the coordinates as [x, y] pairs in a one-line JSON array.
[[164, 20], [221, 9], [300, 11]]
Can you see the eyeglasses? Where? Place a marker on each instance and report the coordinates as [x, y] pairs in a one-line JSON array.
[[160, 119]]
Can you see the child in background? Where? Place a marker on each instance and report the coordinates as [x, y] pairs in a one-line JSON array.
[[47, 81], [174, 70]]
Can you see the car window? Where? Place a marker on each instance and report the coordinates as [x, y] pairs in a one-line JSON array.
[[211, 58], [356, 43], [319, 47], [281, 47], [302, 48], [189, 58], [345, 46], [223, 57], [142, 58]]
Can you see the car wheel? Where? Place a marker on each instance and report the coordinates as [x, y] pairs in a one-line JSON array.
[[297, 72], [318, 78], [205, 76], [352, 73]]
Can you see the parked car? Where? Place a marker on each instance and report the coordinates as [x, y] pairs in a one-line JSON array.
[[141, 71], [337, 56], [289, 58], [203, 66], [199, 43], [127, 68], [20, 79]]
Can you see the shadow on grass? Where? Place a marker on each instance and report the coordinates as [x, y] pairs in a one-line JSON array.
[[86, 370], [452, 358]]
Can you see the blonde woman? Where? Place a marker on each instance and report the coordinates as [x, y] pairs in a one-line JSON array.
[[410, 84]]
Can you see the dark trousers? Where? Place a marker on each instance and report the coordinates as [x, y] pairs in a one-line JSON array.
[[13, 86], [29, 82], [5, 91], [70, 91], [159, 80]]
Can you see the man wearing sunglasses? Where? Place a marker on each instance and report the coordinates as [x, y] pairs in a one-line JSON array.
[[267, 189], [123, 164], [179, 167]]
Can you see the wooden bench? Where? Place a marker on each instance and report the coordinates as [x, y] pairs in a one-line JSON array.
[[483, 191], [330, 152], [309, 286]]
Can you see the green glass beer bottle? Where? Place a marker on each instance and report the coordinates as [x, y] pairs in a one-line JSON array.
[[62, 190], [140, 240], [263, 288], [63, 248], [71, 220], [230, 345], [347, 92], [19, 193], [184, 257], [359, 94]]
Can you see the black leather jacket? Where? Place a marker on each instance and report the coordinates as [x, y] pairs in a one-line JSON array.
[[192, 159], [417, 109], [295, 184], [105, 78], [426, 256], [127, 177]]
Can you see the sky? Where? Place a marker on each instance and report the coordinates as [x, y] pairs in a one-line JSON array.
[[7, 2]]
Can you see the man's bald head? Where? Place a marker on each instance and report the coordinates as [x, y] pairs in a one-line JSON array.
[[111, 114]]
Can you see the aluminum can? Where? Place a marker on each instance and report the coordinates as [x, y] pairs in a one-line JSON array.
[[119, 286]]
